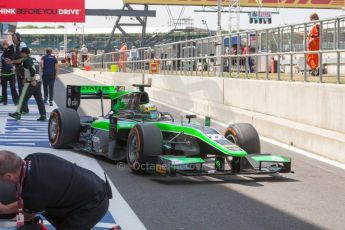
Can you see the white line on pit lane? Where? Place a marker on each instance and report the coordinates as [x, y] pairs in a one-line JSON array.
[[99, 225]]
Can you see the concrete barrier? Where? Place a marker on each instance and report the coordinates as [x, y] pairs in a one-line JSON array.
[[309, 116], [319, 105], [123, 79]]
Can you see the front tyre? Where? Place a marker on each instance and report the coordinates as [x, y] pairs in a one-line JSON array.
[[63, 128], [245, 136], [144, 144]]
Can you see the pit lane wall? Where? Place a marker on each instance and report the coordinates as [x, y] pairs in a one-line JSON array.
[[310, 116]]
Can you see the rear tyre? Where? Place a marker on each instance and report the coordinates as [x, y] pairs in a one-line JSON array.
[[63, 128], [245, 136], [144, 144]]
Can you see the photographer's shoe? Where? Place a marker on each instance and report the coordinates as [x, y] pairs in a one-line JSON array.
[[16, 115], [42, 118]]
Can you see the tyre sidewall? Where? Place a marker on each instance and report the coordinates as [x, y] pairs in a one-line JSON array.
[[68, 125], [57, 140], [150, 147], [246, 137], [136, 164]]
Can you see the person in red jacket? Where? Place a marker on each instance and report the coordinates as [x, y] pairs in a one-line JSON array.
[[123, 57], [74, 58], [248, 60]]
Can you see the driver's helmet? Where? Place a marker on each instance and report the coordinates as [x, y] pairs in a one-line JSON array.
[[150, 110]]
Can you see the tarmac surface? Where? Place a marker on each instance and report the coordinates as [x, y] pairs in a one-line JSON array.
[[311, 198]]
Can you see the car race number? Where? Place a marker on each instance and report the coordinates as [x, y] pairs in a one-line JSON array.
[[215, 136], [73, 97]]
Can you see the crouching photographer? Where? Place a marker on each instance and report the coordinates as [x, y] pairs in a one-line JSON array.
[[68, 196]]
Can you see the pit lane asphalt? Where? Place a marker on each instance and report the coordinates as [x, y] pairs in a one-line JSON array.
[[312, 198]]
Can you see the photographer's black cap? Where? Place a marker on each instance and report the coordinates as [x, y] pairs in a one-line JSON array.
[[25, 50]]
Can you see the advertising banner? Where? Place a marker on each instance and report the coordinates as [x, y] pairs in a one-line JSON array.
[[321, 4], [42, 11]]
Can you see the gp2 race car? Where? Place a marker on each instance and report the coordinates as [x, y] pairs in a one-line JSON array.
[[153, 141]]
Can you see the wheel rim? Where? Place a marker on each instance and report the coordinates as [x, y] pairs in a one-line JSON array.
[[133, 149], [231, 138], [53, 128]]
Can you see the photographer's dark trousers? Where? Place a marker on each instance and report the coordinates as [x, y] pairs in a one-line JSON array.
[[83, 58], [84, 217], [5, 78], [48, 87], [134, 63], [7, 196], [20, 78], [28, 91]]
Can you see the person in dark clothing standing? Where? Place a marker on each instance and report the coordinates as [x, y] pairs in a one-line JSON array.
[[68, 196], [31, 87], [19, 45], [50, 73], [7, 73]]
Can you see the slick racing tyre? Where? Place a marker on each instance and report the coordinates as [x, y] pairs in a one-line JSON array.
[[245, 136], [63, 128], [144, 144]]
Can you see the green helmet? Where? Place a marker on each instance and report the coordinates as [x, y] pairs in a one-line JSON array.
[[149, 109]]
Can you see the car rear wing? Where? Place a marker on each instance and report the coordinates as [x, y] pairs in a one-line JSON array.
[[74, 93]]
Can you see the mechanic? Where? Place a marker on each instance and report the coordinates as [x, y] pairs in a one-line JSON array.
[[69, 57], [68, 196], [123, 56], [19, 45], [32, 87], [134, 56], [83, 51], [7, 73], [50, 72]]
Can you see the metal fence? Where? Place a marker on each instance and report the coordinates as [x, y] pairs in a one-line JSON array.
[[278, 53], [133, 60]]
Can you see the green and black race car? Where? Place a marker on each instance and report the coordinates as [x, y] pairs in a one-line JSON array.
[[153, 141]]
